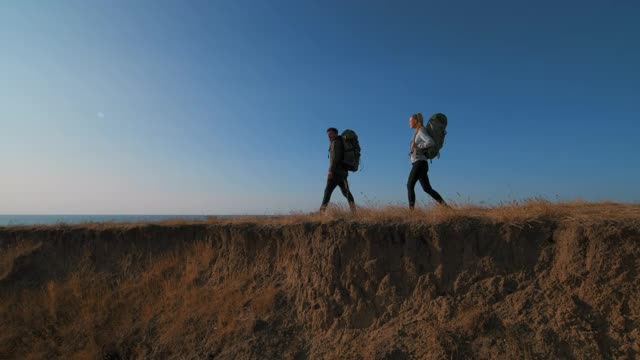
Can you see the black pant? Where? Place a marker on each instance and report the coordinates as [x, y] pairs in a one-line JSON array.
[[341, 181], [419, 172]]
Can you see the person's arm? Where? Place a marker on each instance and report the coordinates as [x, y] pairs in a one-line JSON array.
[[337, 155], [423, 140]]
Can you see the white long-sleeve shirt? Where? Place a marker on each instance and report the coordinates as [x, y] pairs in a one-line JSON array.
[[422, 141]]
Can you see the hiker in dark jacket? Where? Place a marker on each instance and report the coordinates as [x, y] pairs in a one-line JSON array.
[[420, 166], [338, 173]]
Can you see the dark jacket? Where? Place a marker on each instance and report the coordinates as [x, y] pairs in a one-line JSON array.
[[336, 157]]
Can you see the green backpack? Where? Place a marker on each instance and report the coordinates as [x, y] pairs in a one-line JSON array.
[[351, 150], [437, 129]]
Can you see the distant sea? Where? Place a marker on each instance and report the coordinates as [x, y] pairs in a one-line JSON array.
[[78, 219]]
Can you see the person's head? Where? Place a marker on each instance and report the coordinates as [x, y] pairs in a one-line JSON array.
[[332, 133], [416, 121]]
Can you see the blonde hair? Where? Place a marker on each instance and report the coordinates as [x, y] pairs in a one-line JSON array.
[[418, 117]]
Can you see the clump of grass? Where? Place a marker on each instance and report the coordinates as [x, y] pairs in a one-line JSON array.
[[9, 255]]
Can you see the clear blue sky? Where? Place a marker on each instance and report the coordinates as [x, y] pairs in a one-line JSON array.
[[220, 107]]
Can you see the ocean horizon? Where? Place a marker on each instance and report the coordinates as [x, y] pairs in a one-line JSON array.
[[9, 220]]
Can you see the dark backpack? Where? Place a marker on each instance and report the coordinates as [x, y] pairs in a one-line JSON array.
[[437, 130], [351, 150]]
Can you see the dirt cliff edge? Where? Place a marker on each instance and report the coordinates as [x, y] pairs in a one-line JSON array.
[[461, 286]]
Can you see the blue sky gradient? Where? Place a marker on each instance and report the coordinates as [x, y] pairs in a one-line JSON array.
[[220, 107]]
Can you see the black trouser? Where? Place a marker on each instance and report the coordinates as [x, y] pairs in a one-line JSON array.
[[419, 173], [341, 181]]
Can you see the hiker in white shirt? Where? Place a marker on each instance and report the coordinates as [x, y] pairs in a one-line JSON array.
[[420, 142]]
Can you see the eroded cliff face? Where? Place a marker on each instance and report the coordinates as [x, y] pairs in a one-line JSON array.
[[465, 286]]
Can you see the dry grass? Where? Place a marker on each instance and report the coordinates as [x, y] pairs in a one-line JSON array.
[[10, 255], [169, 308], [505, 212]]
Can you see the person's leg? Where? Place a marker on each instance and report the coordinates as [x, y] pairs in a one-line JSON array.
[[328, 190], [344, 187], [426, 185], [411, 183]]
